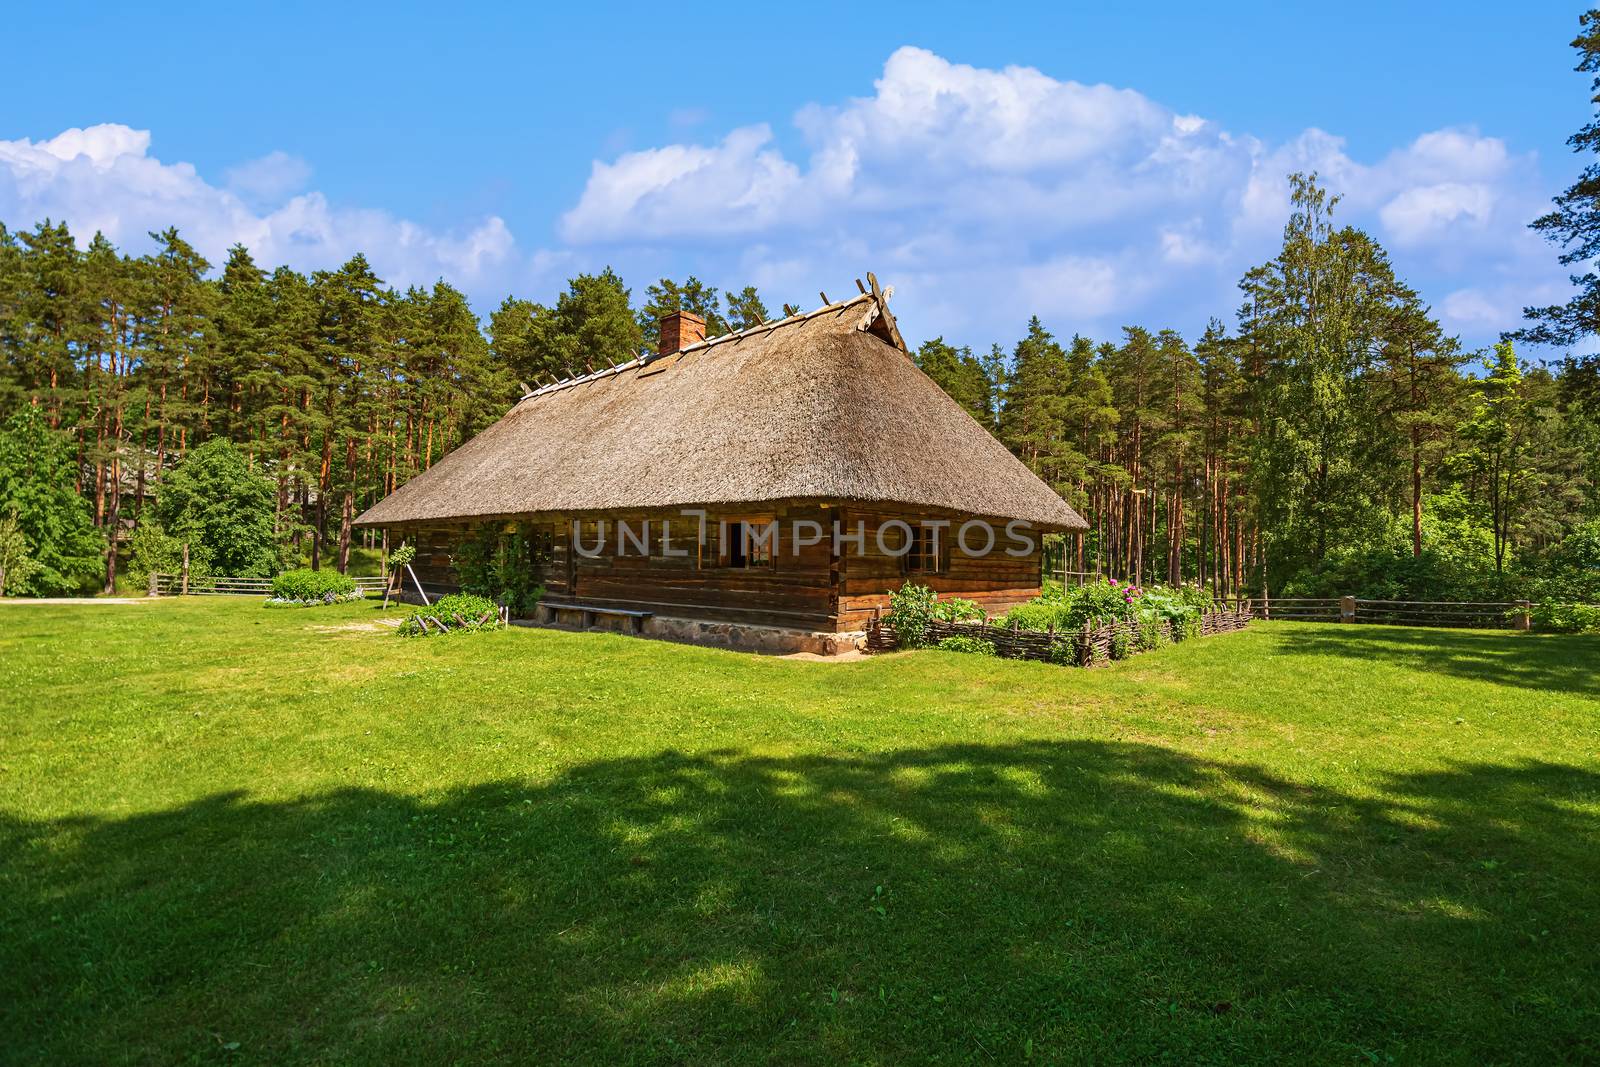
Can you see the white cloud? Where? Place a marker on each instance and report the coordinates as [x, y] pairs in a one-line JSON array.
[[104, 178], [666, 191], [987, 193], [273, 176]]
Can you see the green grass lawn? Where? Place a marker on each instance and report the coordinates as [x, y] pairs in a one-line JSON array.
[[236, 835]]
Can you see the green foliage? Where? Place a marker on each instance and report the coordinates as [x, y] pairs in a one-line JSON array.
[[955, 609], [216, 503], [1121, 643], [498, 566], [746, 309], [153, 551], [1555, 618], [16, 565], [591, 324], [910, 609], [1456, 563], [961, 643], [312, 585], [1574, 225], [1149, 635], [1571, 569], [1098, 603], [402, 556], [460, 613], [961, 374], [1064, 652], [667, 296], [38, 472]]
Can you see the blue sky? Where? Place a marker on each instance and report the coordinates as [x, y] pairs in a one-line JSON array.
[[1096, 166]]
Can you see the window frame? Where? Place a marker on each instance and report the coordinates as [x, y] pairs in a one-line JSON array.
[[929, 553], [732, 535]]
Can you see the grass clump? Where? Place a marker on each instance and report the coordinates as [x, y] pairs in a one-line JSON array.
[[976, 646]]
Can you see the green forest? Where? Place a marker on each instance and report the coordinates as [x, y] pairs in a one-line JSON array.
[[1325, 437]]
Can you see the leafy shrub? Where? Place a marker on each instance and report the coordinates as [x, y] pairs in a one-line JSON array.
[[1064, 652], [910, 609], [499, 565], [16, 565], [1121, 643], [1099, 603], [460, 612], [1150, 634], [1566, 618], [957, 610], [402, 556], [977, 646], [152, 549], [1042, 614], [307, 585], [38, 472]]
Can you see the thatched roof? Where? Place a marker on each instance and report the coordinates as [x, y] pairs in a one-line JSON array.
[[823, 406]]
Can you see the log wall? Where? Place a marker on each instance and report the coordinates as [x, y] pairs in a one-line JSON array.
[[810, 587], [996, 580]]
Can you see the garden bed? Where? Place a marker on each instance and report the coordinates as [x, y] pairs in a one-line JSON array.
[[1089, 647]]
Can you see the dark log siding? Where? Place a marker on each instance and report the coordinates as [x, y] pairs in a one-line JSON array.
[[995, 580], [806, 587]]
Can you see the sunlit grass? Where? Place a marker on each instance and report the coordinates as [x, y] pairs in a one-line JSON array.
[[228, 833]]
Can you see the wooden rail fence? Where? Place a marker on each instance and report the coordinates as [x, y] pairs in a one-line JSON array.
[[1480, 614], [191, 585]]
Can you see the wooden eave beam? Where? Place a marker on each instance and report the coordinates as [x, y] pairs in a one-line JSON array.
[[888, 316]]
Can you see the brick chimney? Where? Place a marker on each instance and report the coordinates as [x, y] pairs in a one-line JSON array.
[[679, 330]]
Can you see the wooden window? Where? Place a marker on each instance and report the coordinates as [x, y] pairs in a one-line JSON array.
[[747, 541], [930, 553], [542, 546]]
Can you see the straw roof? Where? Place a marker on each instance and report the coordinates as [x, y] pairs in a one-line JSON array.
[[823, 406]]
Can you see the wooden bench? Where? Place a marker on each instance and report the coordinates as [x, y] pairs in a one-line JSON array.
[[589, 612]]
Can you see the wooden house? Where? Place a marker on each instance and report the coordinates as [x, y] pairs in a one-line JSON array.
[[766, 488]]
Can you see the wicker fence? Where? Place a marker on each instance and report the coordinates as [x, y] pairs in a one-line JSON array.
[[192, 585], [1480, 614], [1088, 647]]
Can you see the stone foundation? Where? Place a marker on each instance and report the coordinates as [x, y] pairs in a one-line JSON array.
[[741, 637]]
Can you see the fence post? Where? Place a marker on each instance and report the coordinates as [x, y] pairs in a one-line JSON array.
[[1524, 619], [184, 589], [155, 585], [1347, 609]]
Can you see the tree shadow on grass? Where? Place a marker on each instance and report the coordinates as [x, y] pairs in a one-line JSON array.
[[1562, 663], [1082, 901]]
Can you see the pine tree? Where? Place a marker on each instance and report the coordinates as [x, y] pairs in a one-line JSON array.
[[745, 309], [667, 296], [1574, 225], [958, 373]]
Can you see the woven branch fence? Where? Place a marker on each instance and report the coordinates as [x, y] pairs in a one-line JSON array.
[[1088, 647]]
